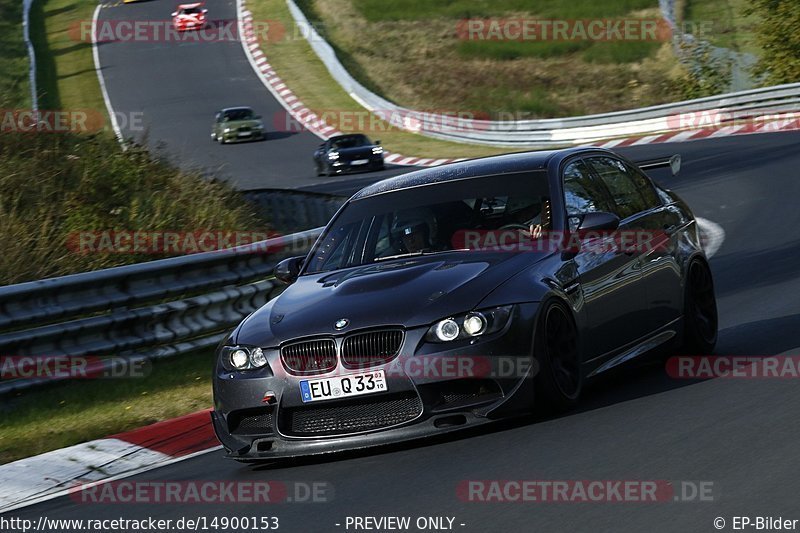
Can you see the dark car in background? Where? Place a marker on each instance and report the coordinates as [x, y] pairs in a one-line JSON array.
[[237, 124], [450, 297], [347, 153]]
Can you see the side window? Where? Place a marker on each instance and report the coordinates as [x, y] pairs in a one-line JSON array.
[[582, 193], [628, 200], [645, 187]]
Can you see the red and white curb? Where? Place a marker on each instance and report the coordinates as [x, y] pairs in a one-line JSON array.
[[57, 473], [292, 104], [789, 121]]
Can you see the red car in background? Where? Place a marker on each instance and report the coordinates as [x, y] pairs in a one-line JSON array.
[[189, 17]]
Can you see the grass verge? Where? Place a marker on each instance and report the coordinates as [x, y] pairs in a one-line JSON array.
[[62, 415], [14, 85], [419, 55], [298, 65], [65, 74]]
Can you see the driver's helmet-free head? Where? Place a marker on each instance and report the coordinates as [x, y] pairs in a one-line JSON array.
[[418, 220]]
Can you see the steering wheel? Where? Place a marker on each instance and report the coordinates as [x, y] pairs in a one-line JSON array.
[[515, 225]]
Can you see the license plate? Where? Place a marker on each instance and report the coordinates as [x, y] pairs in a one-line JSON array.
[[342, 386], [245, 133], [360, 162]]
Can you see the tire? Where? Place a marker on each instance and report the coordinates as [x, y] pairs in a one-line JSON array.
[[700, 311], [559, 380]]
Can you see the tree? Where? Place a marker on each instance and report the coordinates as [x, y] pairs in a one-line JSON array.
[[776, 33]]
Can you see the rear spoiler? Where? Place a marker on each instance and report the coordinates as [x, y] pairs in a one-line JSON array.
[[674, 163]]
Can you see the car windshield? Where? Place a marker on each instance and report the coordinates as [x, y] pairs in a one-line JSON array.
[[430, 219], [239, 114], [191, 11], [351, 141]]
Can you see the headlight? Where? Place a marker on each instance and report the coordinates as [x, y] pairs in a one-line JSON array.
[[474, 324], [470, 325], [259, 126], [243, 357], [377, 150], [446, 330], [239, 359], [227, 130], [333, 155]]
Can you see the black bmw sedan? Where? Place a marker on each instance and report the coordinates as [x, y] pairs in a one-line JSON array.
[[453, 296]]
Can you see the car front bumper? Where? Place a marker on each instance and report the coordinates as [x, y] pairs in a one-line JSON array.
[[436, 389]]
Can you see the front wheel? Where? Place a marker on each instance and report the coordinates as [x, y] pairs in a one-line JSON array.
[[559, 379], [700, 311]]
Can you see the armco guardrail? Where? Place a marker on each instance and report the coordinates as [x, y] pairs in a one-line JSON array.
[[26, 36], [547, 132], [143, 311]]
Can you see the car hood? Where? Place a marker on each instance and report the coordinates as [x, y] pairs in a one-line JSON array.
[[406, 292]]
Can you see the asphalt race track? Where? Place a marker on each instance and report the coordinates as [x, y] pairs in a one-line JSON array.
[[173, 89], [638, 424]]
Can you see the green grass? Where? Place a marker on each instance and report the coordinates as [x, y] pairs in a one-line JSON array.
[[508, 50], [66, 78], [298, 65], [14, 86], [61, 415], [380, 10], [725, 22], [414, 54]]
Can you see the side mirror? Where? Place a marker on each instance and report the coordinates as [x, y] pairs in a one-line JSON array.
[[590, 222], [288, 269], [377, 141], [256, 117], [598, 221]]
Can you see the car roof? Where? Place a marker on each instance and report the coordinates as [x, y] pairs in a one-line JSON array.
[[189, 6], [239, 108], [346, 135], [472, 168]]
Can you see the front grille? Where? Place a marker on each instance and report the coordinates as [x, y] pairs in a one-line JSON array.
[[371, 348], [363, 415], [251, 422], [309, 357]]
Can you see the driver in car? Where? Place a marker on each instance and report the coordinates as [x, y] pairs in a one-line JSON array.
[[525, 214], [415, 229]]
